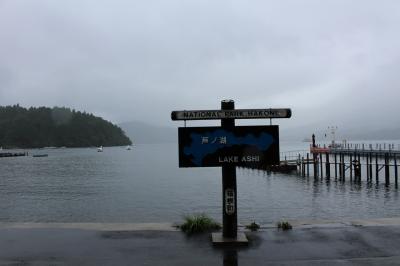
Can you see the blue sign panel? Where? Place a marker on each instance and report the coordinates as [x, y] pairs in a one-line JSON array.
[[252, 146]]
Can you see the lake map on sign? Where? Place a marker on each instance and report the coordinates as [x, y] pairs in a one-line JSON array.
[[210, 142]]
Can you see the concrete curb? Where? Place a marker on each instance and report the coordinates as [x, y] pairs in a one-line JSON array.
[[395, 221]]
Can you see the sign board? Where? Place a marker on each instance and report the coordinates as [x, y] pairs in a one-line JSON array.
[[251, 146], [233, 114]]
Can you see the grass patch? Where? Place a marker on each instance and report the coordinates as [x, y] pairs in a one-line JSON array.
[[199, 223], [253, 226], [284, 225]]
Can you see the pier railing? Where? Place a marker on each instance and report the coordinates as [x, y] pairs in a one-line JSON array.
[[292, 155]]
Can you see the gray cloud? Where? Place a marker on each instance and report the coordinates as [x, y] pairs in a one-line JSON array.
[[330, 61]]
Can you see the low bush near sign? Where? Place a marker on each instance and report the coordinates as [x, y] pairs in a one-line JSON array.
[[284, 225], [199, 223], [253, 226]]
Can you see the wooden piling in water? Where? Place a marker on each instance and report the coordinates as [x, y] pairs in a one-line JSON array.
[[370, 167], [367, 167], [351, 167], [344, 168], [327, 167], [359, 169], [395, 171], [387, 174], [320, 161], [340, 167], [301, 160], [308, 165], [341, 172], [335, 166], [315, 165], [376, 168], [298, 163]]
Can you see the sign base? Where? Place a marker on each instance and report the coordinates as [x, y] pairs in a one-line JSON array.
[[220, 241]]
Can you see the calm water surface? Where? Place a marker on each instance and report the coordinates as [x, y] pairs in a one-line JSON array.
[[146, 185]]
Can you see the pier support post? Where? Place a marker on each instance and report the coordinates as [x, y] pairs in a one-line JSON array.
[[351, 167], [308, 164], [340, 167], [367, 166], [335, 166], [298, 164], [321, 165], [387, 169], [315, 158], [343, 168], [370, 167], [327, 166], [357, 171], [395, 170], [360, 168], [315, 165], [376, 168]]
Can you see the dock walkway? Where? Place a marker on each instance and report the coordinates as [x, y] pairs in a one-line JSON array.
[[356, 162]]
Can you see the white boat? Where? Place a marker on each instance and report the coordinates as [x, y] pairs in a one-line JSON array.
[[100, 149], [129, 147]]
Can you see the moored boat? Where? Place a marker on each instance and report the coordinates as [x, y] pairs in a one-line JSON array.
[[40, 155]]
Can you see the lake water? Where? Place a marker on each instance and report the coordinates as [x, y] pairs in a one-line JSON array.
[[146, 185]]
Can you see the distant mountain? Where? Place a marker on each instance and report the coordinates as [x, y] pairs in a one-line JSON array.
[[350, 132], [144, 133], [141, 132], [374, 134], [56, 127]]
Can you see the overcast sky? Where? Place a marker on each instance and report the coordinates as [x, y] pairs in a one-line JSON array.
[[333, 62]]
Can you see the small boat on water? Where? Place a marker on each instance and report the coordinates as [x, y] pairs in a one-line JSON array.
[[13, 154], [100, 149], [40, 155], [129, 147]]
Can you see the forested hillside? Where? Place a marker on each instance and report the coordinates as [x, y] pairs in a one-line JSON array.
[[56, 127]]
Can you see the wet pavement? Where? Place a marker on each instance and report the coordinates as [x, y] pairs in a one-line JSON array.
[[328, 244]]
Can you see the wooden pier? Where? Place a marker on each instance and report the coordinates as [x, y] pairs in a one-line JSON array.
[[351, 162]]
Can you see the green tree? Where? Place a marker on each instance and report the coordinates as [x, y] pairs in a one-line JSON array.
[[57, 126]]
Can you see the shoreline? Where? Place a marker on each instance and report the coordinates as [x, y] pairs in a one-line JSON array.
[[312, 242], [167, 226]]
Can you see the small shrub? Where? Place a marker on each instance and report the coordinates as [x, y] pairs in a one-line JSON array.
[[284, 225], [253, 226], [199, 223]]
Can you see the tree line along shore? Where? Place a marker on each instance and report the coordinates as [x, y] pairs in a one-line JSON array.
[[38, 127]]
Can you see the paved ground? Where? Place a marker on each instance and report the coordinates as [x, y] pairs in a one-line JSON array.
[[374, 242]]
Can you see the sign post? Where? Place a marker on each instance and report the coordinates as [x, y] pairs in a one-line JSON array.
[[229, 146], [229, 190]]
